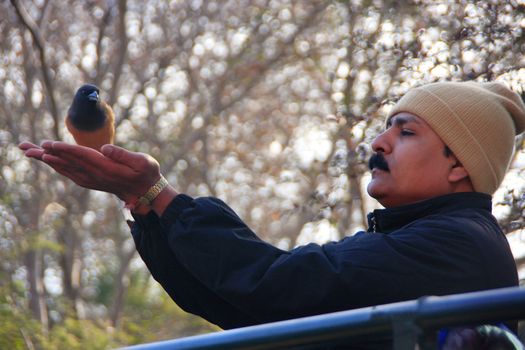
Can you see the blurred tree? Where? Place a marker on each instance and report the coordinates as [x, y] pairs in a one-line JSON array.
[[268, 104]]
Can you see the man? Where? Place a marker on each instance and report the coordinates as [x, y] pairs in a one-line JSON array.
[[445, 150]]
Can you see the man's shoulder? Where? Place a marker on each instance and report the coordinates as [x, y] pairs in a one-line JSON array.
[[467, 222]]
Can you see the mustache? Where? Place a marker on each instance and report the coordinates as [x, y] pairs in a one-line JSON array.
[[378, 161]]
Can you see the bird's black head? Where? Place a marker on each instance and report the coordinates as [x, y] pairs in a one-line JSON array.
[[87, 112], [88, 92]]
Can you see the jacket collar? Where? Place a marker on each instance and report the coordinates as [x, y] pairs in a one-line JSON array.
[[391, 219]]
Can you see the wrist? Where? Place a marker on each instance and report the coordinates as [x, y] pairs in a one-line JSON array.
[[135, 207], [164, 198], [144, 203]]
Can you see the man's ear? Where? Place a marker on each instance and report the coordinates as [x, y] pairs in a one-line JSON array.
[[457, 171]]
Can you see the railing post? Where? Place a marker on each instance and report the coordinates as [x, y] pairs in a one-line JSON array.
[[409, 336], [406, 333], [428, 340]]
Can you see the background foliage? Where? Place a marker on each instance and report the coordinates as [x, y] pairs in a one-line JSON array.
[[268, 104]]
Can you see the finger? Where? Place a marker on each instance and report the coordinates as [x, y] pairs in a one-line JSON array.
[[53, 161], [46, 144], [81, 157], [41, 155], [60, 146], [36, 153], [26, 145]]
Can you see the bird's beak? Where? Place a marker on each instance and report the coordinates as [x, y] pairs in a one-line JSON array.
[[93, 96]]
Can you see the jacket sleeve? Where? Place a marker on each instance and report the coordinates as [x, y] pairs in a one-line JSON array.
[[229, 263], [188, 292]]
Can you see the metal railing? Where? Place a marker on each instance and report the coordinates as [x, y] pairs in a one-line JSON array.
[[406, 323]]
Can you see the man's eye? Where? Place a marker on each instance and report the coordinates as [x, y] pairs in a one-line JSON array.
[[405, 132]]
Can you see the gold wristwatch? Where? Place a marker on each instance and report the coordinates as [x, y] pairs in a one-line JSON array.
[[153, 192]]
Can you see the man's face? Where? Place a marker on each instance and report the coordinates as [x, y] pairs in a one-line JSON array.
[[415, 166]]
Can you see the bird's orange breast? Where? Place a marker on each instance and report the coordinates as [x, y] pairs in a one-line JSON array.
[[97, 138]]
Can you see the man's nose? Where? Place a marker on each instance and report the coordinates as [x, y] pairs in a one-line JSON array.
[[381, 143]]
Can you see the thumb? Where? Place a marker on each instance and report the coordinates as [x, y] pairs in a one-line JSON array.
[[121, 155]]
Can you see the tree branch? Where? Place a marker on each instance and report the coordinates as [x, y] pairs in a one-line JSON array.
[[30, 24], [102, 31], [122, 52]]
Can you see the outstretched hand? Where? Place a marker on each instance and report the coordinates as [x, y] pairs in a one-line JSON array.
[[114, 170]]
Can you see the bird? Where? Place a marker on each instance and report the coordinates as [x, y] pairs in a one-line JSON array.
[[89, 119]]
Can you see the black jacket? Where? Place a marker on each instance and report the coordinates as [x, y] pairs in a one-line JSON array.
[[214, 266]]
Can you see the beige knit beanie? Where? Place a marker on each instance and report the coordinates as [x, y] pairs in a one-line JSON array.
[[477, 121]]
